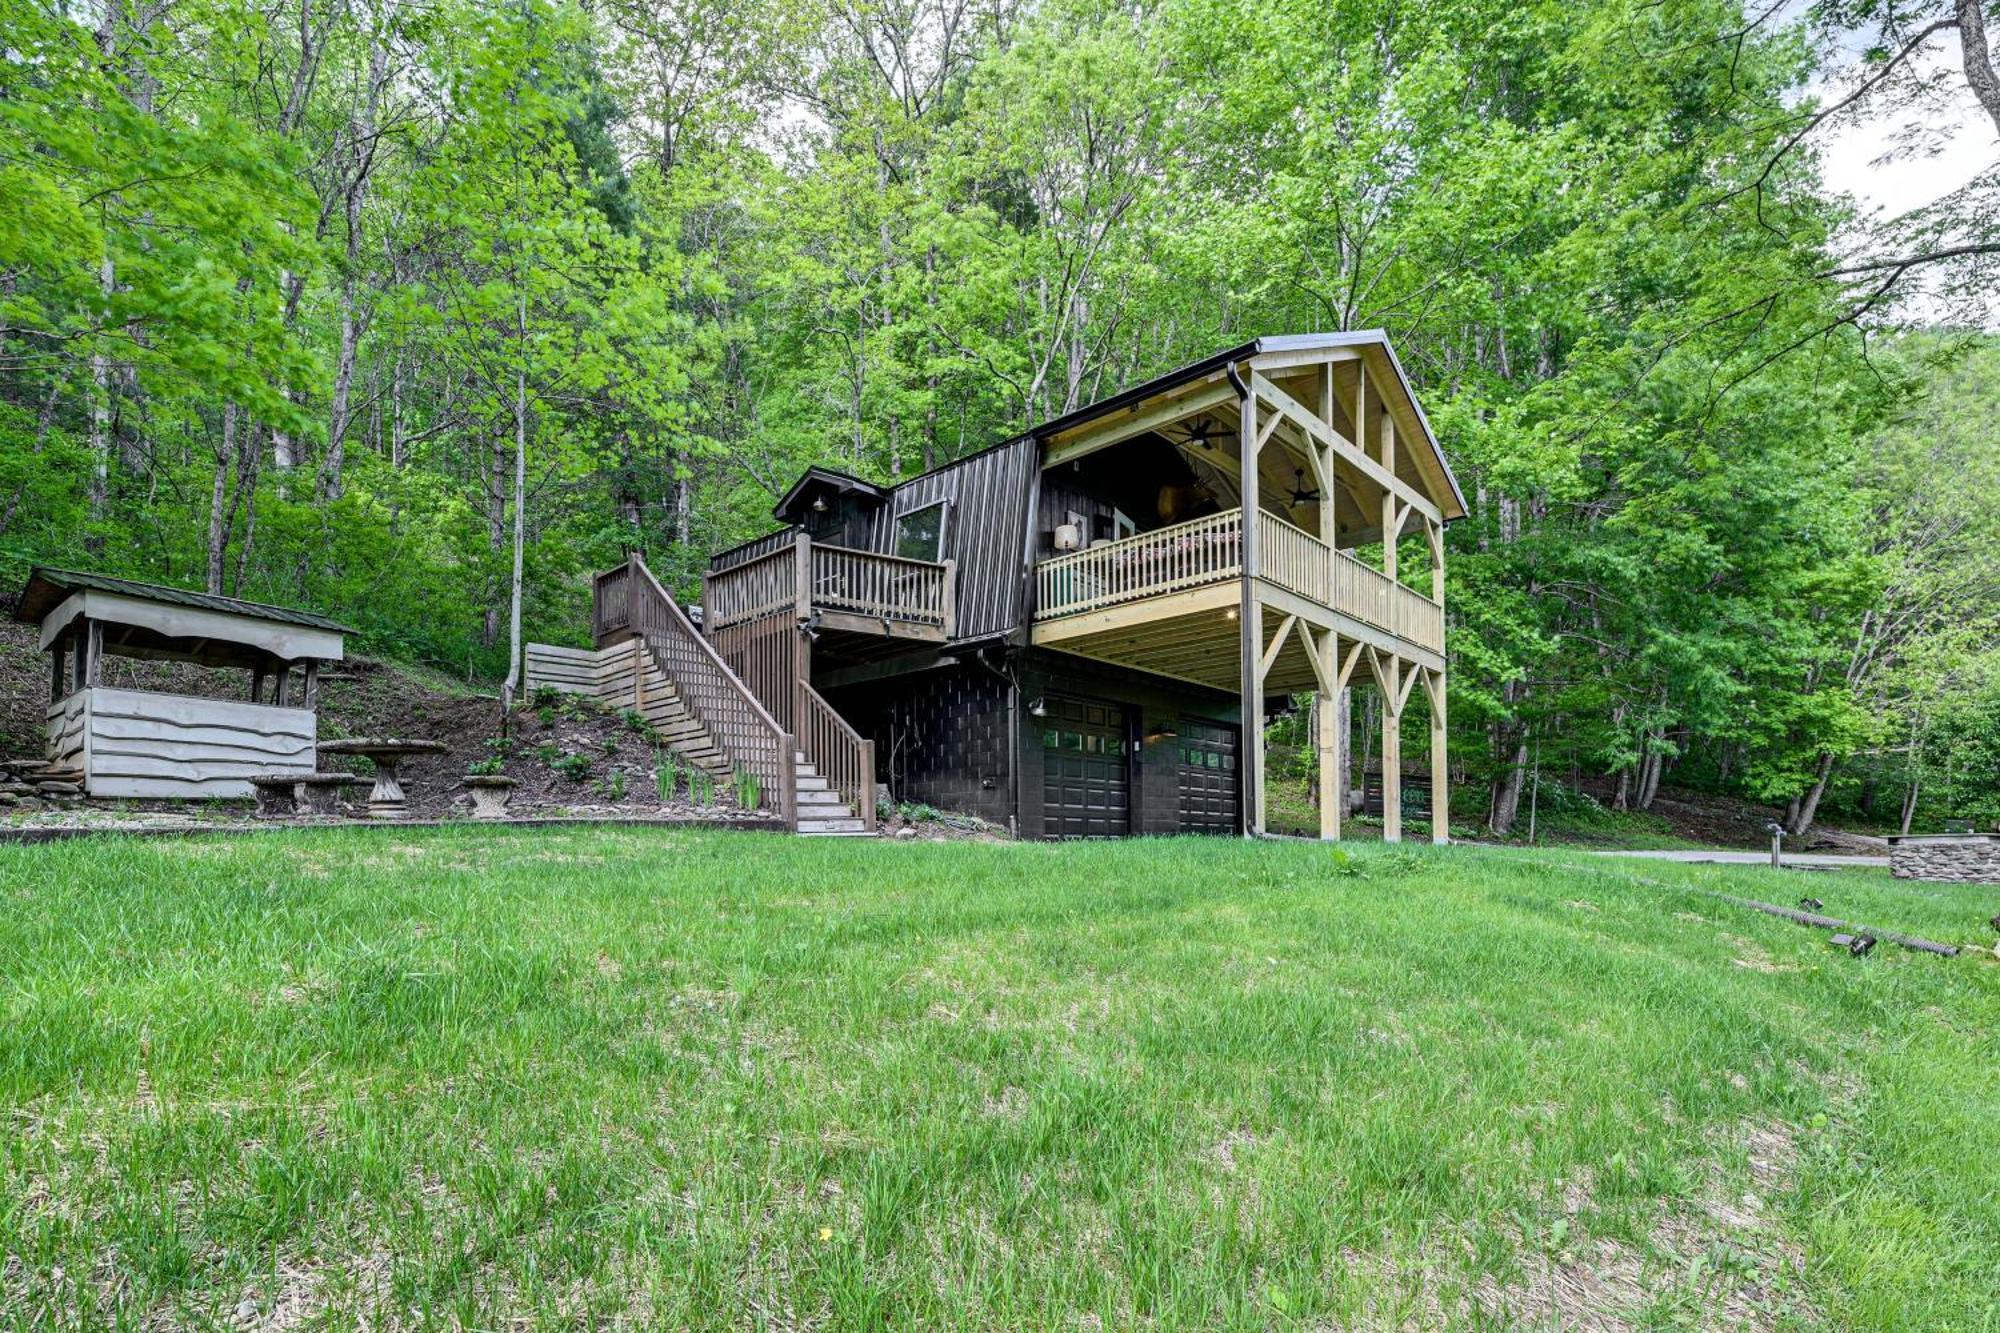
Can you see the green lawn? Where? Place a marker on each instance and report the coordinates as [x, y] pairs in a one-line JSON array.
[[391, 1078]]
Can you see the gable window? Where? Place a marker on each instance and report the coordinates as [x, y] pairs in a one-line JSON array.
[[920, 533]]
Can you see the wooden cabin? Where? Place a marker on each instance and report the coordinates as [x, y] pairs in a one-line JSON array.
[[1071, 633], [119, 741]]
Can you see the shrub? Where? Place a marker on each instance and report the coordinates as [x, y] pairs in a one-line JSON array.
[[546, 697], [575, 767]]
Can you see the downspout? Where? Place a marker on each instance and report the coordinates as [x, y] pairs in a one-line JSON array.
[[1013, 739]]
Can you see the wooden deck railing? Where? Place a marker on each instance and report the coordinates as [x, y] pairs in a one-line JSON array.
[[840, 753], [808, 576], [1209, 550], [740, 726], [1186, 555], [610, 603]]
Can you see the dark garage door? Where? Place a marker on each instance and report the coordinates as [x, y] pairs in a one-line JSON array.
[[1086, 787], [1208, 778]]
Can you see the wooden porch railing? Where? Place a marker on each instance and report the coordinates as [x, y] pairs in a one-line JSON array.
[[1186, 555], [808, 576], [885, 587], [739, 725], [611, 603], [1209, 550], [840, 753]]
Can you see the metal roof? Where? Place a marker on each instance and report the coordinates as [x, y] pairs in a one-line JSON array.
[[1290, 342], [840, 483], [47, 587]]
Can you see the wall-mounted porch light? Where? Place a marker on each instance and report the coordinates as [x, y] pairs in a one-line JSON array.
[[1038, 707]]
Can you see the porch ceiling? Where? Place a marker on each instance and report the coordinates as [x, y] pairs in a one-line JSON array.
[[1190, 636]]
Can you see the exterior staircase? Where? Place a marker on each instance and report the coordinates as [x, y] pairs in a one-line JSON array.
[[653, 660], [822, 811]]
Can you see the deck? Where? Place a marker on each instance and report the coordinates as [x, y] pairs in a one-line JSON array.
[[838, 589], [1166, 601]]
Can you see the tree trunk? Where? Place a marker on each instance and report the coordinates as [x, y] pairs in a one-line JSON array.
[[219, 517], [1505, 805], [513, 682], [1909, 806], [1808, 806]]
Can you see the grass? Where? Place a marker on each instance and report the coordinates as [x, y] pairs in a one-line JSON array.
[[386, 1078]]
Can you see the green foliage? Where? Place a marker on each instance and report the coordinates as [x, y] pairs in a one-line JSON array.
[[701, 787], [1706, 534], [575, 767], [614, 786], [748, 788], [668, 770]]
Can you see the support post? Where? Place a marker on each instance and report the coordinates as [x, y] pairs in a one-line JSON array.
[[309, 689], [1440, 769], [802, 567], [1250, 627], [281, 693], [1326, 718], [1392, 750], [58, 664]]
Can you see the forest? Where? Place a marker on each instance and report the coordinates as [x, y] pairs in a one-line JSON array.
[[418, 311]]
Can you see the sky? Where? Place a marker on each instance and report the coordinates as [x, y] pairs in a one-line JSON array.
[[1852, 145]]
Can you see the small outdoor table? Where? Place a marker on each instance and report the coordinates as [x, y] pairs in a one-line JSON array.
[[385, 799]]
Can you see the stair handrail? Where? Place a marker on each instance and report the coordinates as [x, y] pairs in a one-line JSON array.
[[735, 720], [842, 755]]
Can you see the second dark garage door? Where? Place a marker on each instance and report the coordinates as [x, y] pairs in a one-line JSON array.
[[1086, 778], [1207, 779]]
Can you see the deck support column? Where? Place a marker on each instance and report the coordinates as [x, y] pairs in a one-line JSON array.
[[1250, 627], [1440, 777], [1389, 679], [1327, 716]]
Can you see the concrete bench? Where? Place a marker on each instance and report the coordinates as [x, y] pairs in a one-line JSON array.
[[283, 794]]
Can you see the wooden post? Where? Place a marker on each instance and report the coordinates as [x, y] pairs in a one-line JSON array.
[[58, 664], [802, 564], [1391, 510], [949, 604], [93, 650], [1434, 534], [1326, 717], [309, 689], [1440, 776], [257, 683], [1392, 750], [281, 692], [1250, 627]]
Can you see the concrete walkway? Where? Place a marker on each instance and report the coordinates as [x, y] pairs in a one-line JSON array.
[[1798, 860]]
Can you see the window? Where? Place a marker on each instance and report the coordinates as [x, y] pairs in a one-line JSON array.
[[920, 533]]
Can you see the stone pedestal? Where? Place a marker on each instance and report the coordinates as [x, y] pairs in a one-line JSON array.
[[1949, 858], [489, 795]]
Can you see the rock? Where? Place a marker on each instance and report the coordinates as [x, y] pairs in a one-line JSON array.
[[58, 789], [28, 803], [906, 832], [18, 788], [8, 798]]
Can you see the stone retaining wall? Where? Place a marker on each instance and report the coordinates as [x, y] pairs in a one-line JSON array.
[[1953, 858]]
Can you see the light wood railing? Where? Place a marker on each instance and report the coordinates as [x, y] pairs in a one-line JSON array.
[[741, 727], [1186, 555], [807, 576], [1370, 595], [841, 754], [1209, 550]]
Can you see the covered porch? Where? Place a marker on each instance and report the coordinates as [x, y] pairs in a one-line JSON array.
[[1243, 524]]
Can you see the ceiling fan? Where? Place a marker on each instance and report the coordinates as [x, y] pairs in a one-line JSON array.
[[1198, 434], [1300, 495]]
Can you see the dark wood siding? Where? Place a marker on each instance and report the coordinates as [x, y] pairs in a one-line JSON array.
[[942, 736], [986, 532]]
